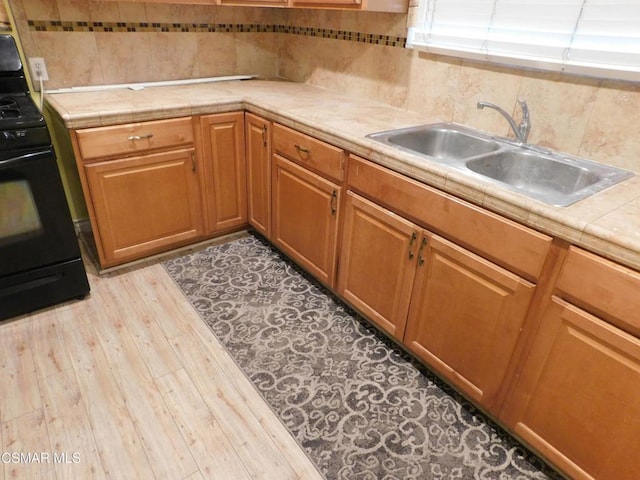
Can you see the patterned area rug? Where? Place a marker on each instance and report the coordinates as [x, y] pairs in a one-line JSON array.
[[358, 405]]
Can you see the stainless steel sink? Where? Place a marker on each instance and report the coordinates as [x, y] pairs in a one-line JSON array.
[[545, 175], [442, 142], [556, 179]]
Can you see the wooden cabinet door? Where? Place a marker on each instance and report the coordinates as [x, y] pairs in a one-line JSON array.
[[578, 397], [378, 263], [258, 153], [144, 205], [305, 218], [465, 318], [225, 177]]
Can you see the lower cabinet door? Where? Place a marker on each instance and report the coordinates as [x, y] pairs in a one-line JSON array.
[[465, 318], [305, 218], [577, 400], [378, 263], [144, 205], [224, 170], [258, 151]]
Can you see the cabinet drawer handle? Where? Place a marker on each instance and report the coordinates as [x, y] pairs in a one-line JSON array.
[[140, 137], [302, 150], [420, 257], [334, 198], [414, 235]]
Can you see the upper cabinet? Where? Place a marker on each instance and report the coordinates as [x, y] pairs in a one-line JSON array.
[[254, 3], [391, 6]]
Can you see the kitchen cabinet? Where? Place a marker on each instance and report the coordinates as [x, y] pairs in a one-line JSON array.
[[305, 218], [253, 3], [313, 154], [258, 156], [197, 2], [393, 6], [378, 263], [306, 200], [224, 171], [141, 186], [441, 294], [327, 3], [576, 400], [144, 205], [466, 317], [508, 244], [554, 357], [113, 141]]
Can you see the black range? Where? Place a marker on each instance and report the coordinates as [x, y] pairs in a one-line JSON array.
[[40, 262]]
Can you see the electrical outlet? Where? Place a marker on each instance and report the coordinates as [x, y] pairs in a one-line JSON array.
[[38, 69]]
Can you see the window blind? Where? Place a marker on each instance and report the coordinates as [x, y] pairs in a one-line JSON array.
[[590, 37]]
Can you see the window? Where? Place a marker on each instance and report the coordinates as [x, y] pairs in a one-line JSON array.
[[590, 37]]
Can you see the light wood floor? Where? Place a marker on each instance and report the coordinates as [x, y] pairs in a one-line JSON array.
[[129, 383]]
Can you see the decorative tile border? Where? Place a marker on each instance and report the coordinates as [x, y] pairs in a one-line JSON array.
[[57, 26]]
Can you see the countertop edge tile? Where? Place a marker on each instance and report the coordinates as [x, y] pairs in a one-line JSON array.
[[599, 240]]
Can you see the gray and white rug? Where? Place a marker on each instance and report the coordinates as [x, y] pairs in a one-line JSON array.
[[359, 406]]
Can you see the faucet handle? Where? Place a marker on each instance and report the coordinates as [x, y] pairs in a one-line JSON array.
[[525, 123], [525, 109]]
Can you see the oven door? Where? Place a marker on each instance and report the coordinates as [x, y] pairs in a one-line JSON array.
[[35, 223]]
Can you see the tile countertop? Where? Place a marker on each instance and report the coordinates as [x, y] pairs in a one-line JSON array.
[[607, 223]]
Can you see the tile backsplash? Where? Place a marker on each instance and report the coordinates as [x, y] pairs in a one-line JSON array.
[[358, 53]]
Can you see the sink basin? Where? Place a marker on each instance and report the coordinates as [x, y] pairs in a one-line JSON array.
[[555, 179], [441, 142], [545, 175]]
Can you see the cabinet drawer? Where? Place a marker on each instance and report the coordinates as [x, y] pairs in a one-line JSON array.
[[601, 287], [502, 241], [133, 138], [313, 154]]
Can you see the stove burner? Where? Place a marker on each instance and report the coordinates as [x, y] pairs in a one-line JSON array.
[[22, 124], [7, 102], [18, 111]]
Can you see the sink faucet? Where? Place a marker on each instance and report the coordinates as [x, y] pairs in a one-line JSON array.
[[522, 130]]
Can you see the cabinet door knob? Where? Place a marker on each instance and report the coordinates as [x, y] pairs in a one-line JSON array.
[[264, 135], [193, 162]]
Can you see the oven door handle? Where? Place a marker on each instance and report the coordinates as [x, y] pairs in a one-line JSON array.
[[13, 158]]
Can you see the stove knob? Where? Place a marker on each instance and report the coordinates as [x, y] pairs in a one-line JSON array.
[[8, 136]]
